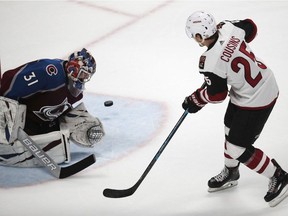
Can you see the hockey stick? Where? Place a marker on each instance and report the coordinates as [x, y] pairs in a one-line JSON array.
[[114, 193], [48, 163]]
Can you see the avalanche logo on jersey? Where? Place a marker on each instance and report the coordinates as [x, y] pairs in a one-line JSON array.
[[51, 70], [50, 113]]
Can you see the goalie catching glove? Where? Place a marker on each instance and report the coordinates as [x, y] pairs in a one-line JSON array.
[[85, 130], [193, 102]]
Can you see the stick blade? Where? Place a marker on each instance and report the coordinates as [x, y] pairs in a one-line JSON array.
[[114, 193], [77, 167]]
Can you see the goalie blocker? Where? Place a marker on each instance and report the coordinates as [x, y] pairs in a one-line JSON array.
[[78, 125]]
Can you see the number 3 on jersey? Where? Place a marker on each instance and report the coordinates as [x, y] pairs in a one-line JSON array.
[[31, 79], [246, 64]]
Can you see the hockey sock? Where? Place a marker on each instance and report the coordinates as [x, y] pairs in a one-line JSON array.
[[256, 160]]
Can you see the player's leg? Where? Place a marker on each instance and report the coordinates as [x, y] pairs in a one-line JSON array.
[[258, 161], [244, 127], [229, 175]]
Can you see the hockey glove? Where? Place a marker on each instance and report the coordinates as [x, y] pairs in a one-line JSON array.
[[85, 129], [193, 102]]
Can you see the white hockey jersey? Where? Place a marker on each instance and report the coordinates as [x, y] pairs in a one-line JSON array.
[[253, 85]]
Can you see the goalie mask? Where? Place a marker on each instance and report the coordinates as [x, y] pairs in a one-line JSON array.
[[80, 68]]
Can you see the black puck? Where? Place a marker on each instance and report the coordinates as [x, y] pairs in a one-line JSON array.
[[108, 103]]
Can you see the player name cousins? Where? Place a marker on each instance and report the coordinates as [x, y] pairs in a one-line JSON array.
[[229, 49]]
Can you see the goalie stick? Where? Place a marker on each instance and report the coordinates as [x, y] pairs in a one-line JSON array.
[[48, 163], [114, 193]]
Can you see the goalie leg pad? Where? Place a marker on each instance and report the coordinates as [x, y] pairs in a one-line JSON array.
[[55, 144], [85, 130], [12, 116]]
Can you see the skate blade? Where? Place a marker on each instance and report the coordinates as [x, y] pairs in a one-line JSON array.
[[224, 187], [280, 197]]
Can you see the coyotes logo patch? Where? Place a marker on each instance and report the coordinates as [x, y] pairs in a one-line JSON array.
[[202, 62]]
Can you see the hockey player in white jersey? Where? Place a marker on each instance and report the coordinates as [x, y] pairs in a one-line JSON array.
[[229, 61]]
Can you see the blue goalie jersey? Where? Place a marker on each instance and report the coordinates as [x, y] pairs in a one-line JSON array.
[[42, 86]]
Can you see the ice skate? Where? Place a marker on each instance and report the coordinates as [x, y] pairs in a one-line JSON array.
[[278, 186], [227, 178]]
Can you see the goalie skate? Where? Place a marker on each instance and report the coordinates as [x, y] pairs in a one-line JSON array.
[[227, 178]]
